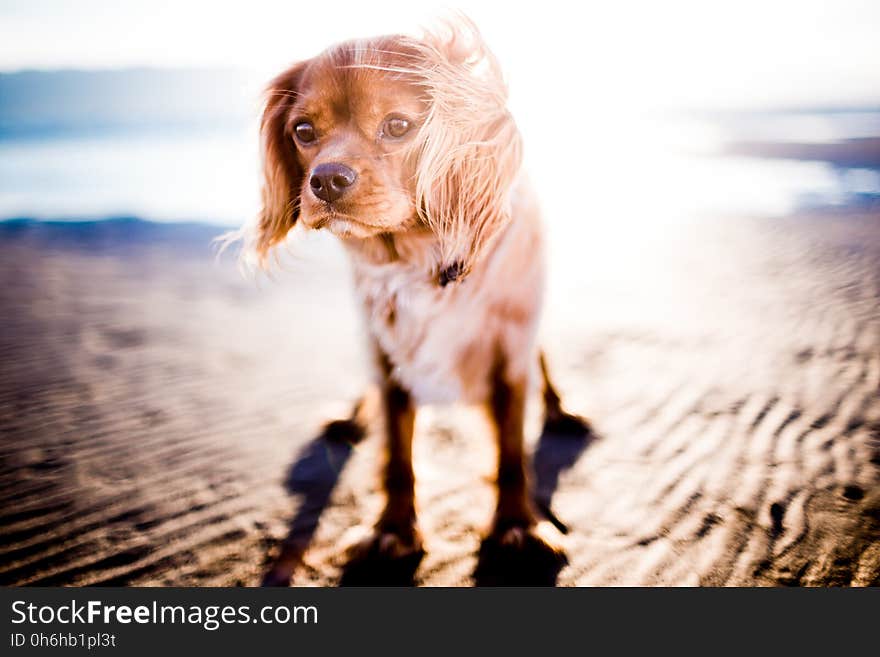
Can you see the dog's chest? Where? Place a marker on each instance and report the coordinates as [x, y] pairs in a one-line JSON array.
[[435, 338]]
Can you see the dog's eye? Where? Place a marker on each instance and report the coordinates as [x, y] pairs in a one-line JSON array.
[[396, 126], [305, 132]]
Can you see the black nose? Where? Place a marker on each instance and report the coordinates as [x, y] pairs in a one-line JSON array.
[[331, 180]]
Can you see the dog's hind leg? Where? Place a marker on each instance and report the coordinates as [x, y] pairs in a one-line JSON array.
[[556, 419], [354, 428]]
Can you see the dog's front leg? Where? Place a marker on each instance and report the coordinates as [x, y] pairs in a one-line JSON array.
[[396, 533], [507, 407], [397, 524], [515, 523]]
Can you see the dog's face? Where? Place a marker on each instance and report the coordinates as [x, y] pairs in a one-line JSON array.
[[353, 130], [389, 135]]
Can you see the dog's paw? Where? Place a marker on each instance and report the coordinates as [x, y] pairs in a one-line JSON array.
[[387, 544], [533, 539], [567, 424], [384, 558], [520, 555], [276, 576], [344, 431]]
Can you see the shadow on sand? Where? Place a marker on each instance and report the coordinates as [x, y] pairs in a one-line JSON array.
[[313, 476]]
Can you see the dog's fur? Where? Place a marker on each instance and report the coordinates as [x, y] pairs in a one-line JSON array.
[[443, 233]]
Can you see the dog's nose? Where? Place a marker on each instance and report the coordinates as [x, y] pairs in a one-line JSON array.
[[331, 180]]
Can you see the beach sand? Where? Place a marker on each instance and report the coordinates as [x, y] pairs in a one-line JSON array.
[[162, 417]]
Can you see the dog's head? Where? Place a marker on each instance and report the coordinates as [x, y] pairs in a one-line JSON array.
[[388, 135]]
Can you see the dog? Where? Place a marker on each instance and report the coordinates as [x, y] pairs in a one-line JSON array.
[[404, 149]]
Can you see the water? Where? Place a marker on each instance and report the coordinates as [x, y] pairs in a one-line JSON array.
[[175, 145], [183, 146], [156, 175]]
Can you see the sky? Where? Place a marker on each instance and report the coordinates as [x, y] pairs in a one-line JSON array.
[[666, 54]]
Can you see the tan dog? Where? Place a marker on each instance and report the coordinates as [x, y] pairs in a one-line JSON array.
[[404, 149]]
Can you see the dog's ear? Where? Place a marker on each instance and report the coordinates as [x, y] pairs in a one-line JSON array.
[[469, 148], [283, 175]]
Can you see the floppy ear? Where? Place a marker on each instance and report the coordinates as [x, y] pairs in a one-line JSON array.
[[470, 148], [282, 172]]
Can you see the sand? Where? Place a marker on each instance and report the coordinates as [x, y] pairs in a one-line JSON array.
[[162, 418]]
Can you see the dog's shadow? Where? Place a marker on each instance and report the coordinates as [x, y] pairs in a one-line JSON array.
[[559, 447], [312, 476]]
